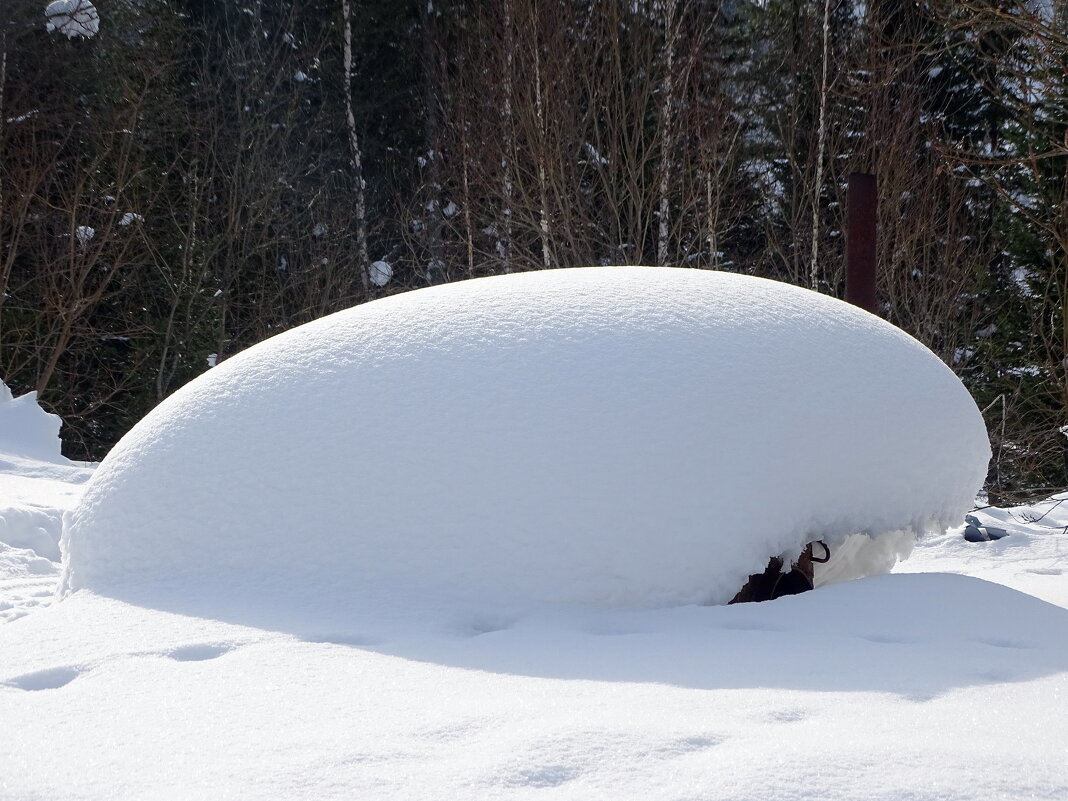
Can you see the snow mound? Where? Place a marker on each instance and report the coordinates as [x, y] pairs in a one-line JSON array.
[[613, 436], [27, 430], [34, 528]]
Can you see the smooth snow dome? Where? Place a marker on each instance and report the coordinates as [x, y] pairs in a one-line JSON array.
[[612, 436]]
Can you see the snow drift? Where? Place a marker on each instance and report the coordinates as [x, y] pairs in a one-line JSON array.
[[36, 485], [27, 430], [32, 466], [617, 435]]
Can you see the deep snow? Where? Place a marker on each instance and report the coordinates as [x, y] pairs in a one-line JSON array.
[[915, 687], [926, 685], [37, 485], [604, 435]]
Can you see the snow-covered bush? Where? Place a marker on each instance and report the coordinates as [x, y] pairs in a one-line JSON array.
[[625, 435]]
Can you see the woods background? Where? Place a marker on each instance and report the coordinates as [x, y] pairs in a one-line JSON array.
[[202, 174]]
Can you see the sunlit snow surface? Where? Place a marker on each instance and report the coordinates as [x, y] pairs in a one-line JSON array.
[[927, 686], [605, 436], [922, 686], [36, 486]]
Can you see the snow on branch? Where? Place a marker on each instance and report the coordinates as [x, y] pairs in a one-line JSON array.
[[72, 18]]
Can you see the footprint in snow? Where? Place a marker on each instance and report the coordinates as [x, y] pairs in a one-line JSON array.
[[48, 679], [488, 625], [1006, 644], [788, 716], [200, 652], [543, 776], [886, 639], [688, 745], [753, 626]]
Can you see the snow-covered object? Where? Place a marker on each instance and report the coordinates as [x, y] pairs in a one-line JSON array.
[[26, 429], [618, 435], [72, 18], [381, 272]]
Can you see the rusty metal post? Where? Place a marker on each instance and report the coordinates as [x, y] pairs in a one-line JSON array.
[[860, 242]]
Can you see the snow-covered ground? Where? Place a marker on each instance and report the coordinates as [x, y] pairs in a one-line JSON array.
[[37, 485], [925, 685], [946, 679]]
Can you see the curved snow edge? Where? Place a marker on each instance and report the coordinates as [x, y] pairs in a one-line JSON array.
[[603, 435]]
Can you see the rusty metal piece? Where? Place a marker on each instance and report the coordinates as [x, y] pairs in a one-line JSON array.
[[826, 552], [760, 586], [774, 583]]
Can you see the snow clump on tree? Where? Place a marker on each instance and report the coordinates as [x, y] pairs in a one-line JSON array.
[[380, 272], [72, 18]]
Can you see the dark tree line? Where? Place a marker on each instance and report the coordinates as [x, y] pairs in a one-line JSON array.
[[200, 175]]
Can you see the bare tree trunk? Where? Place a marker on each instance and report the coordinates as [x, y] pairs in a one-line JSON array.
[[3, 82], [469, 231], [543, 190], [505, 240], [821, 145], [168, 362], [666, 130], [436, 268], [363, 260], [712, 203]]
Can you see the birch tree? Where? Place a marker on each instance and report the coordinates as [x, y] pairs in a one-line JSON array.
[[363, 261], [666, 125]]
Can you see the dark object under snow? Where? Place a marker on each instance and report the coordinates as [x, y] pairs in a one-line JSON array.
[[974, 532], [775, 583]]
